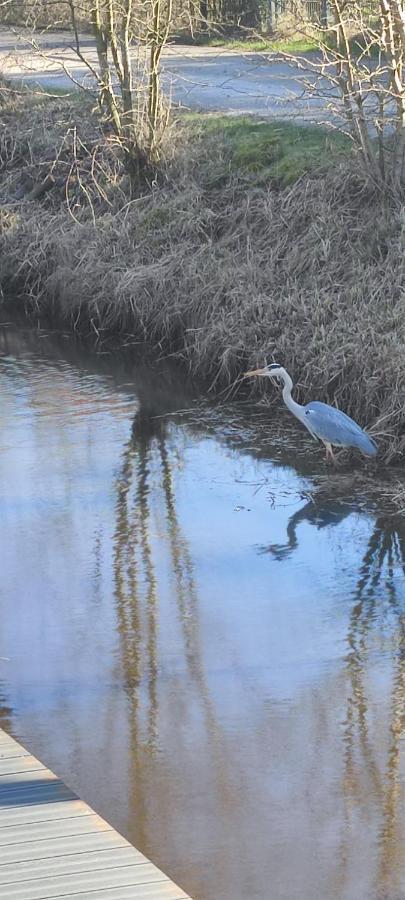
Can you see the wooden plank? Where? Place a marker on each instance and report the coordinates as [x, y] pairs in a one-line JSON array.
[[70, 864], [42, 813], [11, 749], [70, 885], [8, 743], [6, 738], [7, 752], [31, 776], [18, 764], [164, 891], [52, 829], [31, 793], [52, 845], [62, 845]]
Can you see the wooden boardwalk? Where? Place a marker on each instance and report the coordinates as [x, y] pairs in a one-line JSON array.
[[54, 845]]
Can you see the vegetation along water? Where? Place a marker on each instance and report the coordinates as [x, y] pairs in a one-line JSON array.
[[255, 240]]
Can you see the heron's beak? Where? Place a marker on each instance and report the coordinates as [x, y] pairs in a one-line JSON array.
[[255, 372]]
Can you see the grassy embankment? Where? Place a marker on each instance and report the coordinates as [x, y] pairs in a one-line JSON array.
[[255, 240], [289, 40]]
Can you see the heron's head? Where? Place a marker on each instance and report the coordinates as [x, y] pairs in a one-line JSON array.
[[273, 371]]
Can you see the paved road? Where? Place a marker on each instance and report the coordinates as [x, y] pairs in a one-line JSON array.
[[195, 77]]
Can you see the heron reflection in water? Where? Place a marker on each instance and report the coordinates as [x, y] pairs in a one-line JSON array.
[[320, 514]]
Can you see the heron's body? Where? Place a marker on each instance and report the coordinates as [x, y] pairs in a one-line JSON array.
[[334, 427], [324, 422]]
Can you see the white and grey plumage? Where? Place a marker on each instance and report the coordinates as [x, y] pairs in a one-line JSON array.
[[328, 424]]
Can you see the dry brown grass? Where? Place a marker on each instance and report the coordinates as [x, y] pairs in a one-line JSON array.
[[226, 272], [59, 139]]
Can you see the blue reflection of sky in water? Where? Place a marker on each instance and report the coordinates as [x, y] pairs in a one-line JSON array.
[[173, 611]]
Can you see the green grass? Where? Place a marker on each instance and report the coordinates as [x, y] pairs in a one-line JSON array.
[[261, 45], [294, 44], [261, 151]]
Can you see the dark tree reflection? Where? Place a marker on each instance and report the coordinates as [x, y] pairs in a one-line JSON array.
[[372, 753], [147, 524], [378, 613]]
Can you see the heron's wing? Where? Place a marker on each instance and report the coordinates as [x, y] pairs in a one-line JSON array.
[[333, 425]]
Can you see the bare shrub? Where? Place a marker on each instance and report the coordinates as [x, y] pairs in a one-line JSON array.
[[359, 78], [129, 37], [50, 153]]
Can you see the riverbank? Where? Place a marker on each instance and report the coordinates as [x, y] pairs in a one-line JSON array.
[[251, 241]]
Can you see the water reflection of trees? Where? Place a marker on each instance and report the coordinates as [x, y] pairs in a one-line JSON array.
[[372, 755], [378, 611], [146, 503]]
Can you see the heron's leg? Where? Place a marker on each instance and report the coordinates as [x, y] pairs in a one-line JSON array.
[[329, 452]]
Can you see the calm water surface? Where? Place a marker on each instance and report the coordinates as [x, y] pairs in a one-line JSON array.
[[212, 661]]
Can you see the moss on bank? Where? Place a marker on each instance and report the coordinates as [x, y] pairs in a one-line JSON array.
[[221, 259]]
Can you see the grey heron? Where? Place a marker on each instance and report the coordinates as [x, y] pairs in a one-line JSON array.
[[324, 422]]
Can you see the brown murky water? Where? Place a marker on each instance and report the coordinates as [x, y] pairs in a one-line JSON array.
[[210, 659]]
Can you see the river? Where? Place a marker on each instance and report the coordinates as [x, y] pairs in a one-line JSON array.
[[209, 654]]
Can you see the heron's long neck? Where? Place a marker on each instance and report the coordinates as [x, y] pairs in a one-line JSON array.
[[294, 407]]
